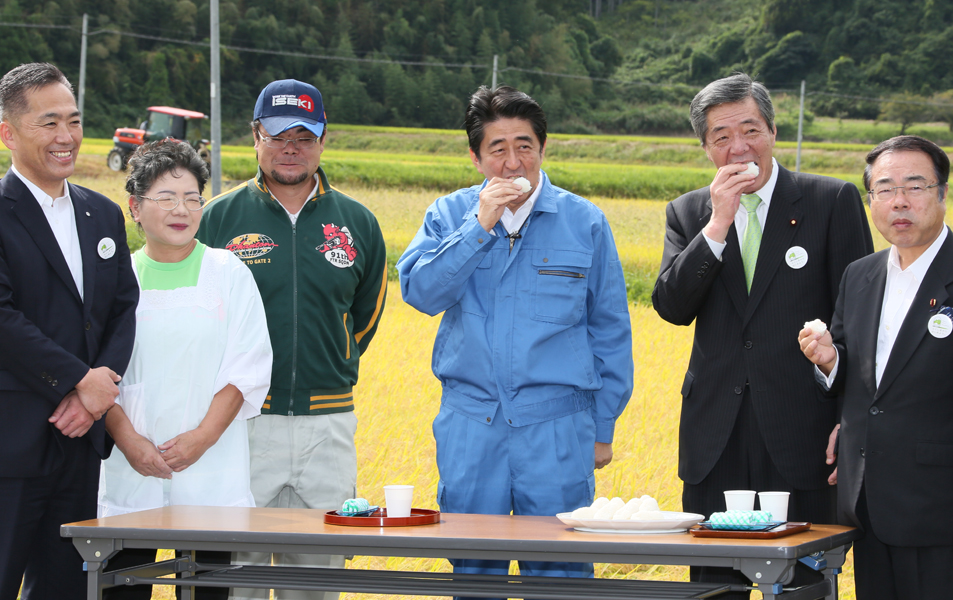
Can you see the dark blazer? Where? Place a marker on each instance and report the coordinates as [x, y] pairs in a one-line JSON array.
[[898, 437], [50, 336], [743, 338]]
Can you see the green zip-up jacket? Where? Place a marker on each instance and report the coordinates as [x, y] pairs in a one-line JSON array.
[[323, 281]]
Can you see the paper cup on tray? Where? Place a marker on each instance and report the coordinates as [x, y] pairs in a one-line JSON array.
[[398, 499], [739, 500]]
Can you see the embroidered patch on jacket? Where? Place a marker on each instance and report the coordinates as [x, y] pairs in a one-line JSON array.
[[339, 247], [251, 245]]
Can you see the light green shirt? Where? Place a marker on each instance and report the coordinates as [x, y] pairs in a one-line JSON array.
[[155, 275]]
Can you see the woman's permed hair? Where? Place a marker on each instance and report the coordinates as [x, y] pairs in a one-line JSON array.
[[153, 160]]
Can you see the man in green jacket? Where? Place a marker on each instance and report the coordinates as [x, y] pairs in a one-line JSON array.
[[319, 260]]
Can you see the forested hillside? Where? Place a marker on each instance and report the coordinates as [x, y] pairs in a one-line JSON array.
[[615, 66]]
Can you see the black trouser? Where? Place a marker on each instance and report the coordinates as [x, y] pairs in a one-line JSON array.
[[33, 508], [746, 465], [884, 572]]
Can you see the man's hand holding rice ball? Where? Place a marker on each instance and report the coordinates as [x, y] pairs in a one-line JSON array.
[[817, 345], [731, 181], [497, 195]]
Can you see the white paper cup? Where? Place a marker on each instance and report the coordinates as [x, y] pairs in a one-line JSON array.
[[398, 500], [739, 500], [775, 503]]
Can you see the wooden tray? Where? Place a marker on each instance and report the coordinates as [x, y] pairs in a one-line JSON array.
[[780, 531], [379, 518]]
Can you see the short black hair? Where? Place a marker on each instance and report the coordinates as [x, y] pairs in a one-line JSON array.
[[911, 143], [153, 160], [504, 102], [24, 79]]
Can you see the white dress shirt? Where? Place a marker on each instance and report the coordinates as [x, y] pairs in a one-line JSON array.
[[59, 213], [741, 215], [900, 290]]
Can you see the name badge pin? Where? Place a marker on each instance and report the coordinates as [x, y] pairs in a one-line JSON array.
[[796, 257], [940, 326], [106, 247]]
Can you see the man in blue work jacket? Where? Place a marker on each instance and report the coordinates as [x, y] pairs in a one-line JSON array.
[[535, 347]]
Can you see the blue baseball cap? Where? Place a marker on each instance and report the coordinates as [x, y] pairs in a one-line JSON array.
[[290, 103]]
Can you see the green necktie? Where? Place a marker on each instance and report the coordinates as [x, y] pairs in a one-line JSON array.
[[752, 241]]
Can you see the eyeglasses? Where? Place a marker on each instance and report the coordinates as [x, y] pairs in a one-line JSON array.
[[280, 143], [912, 192], [193, 203]]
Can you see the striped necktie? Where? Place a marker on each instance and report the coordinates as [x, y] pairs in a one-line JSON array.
[[752, 241]]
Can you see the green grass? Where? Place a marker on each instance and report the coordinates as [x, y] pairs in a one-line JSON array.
[[655, 168]]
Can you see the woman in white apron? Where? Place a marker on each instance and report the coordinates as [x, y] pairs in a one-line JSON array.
[[200, 367]]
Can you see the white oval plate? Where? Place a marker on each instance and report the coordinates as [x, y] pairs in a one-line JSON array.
[[671, 522]]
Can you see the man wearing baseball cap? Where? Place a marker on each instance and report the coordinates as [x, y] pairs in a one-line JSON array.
[[319, 260]]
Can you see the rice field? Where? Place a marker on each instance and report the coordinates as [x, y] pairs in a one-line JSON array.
[[397, 396]]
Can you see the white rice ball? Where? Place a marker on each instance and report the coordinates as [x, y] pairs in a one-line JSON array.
[[647, 515], [816, 326], [649, 504], [607, 511], [586, 512], [524, 184], [631, 507], [752, 169], [600, 502]]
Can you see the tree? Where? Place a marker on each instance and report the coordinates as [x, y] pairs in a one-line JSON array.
[[905, 109]]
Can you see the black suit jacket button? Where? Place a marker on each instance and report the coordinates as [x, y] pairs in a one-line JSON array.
[[54, 382], [748, 344], [88, 325], [874, 410], [739, 390], [43, 375], [862, 452]]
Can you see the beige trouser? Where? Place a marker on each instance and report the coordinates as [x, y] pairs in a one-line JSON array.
[[300, 462]]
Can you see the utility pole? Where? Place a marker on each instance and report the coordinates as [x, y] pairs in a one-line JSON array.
[[496, 65], [82, 64], [800, 130], [216, 102]]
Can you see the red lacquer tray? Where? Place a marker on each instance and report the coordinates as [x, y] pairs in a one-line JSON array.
[[379, 518], [781, 531]]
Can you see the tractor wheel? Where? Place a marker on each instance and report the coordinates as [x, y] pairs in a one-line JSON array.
[[206, 155], [116, 161]]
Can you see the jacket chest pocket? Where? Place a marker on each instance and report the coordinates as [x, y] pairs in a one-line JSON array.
[[561, 285]]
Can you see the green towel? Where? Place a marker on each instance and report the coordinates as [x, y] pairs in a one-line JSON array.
[[740, 519], [355, 505]]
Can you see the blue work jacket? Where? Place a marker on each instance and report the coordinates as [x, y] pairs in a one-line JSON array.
[[538, 332]]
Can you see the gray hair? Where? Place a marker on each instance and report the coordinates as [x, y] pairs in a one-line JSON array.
[[735, 88], [24, 79]]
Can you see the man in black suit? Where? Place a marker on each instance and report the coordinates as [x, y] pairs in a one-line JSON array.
[[752, 417], [891, 330], [67, 324]]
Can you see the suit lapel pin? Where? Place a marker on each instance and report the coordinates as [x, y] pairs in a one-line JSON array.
[[793, 222], [87, 214], [932, 302]]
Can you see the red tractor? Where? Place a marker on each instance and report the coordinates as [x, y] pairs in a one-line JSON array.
[[162, 122]]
